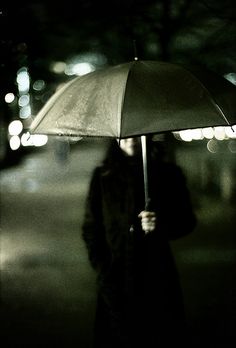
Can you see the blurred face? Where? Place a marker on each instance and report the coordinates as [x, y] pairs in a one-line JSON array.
[[130, 146]]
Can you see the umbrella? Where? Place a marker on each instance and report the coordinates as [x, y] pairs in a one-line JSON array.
[[138, 98]]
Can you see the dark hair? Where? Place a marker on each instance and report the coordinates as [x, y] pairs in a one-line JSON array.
[[114, 156], [115, 159]]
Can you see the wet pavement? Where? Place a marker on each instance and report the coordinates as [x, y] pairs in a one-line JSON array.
[[47, 285]]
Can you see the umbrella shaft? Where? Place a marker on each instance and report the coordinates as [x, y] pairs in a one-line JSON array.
[[145, 171]]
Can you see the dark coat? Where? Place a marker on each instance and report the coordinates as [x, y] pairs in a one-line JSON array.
[[139, 296]]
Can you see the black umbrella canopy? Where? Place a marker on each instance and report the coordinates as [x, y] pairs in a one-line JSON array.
[[138, 98]]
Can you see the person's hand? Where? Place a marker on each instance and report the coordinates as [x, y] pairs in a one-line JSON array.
[[148, 220]]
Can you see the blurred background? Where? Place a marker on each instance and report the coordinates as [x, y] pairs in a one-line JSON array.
[[47, 285]]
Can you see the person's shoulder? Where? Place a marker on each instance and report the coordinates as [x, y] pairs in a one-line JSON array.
[[173, 167], [97, 170], [166, 165], [169, 170], [100, 171]]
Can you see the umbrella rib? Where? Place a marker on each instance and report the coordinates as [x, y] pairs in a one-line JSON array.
[[218, 108], [43, 112], [222, 114], [123, 98]]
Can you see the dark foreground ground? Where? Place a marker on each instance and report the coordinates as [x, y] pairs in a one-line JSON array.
[[47, 285]]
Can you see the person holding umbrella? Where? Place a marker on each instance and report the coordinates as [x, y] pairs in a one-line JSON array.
[[139, 298]]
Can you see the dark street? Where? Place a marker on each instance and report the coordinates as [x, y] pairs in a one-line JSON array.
[[47, 285]]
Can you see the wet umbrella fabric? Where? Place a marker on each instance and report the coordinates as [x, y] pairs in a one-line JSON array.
[[138, 98]]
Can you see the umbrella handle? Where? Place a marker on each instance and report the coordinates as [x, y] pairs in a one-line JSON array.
[[145, 172]]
